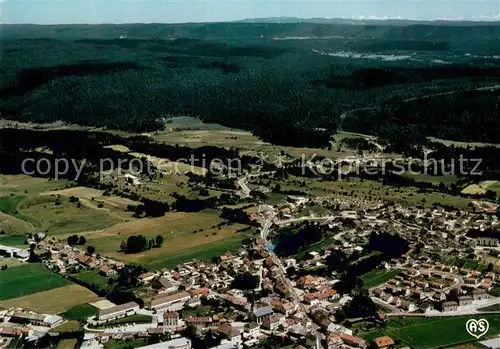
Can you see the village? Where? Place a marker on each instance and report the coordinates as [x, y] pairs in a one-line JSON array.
[[286, 296]]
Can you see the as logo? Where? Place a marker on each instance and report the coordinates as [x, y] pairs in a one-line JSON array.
[[477, 328]]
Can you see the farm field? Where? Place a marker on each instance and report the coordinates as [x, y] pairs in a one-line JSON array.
[[420, 333], [186, 236], [377, 277], [53, 301], [28, 279]]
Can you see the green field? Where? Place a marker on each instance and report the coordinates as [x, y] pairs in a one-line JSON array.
[[13, 240], [78, 312], [28, 279], [377, 277], [92, 277], [430, 333]]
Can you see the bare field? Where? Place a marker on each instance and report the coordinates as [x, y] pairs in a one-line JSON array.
[[53, 301]]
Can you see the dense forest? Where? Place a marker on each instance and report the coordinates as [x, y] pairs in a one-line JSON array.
[[400, 82]]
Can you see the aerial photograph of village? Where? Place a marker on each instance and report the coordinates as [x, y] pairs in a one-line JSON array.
[[249, 175]]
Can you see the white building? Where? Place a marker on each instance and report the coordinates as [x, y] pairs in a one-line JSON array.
[[117, 311], [167, 300]]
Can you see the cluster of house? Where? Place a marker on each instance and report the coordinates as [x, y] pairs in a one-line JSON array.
[[63, 257], [17, 322], [434, 287]]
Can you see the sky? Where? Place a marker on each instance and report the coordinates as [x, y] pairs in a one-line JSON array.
[[180, 11]]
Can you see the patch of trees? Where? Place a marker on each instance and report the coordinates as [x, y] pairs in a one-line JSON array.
[[139, 243], [488, 233], [367, 78], [361, 306], [463, 116], [291, 242], [76, 240], [391, 245], [236, 215], [184, 204], [245, 281]]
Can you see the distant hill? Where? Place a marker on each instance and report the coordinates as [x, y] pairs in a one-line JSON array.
[[349, 21], [266, 28]]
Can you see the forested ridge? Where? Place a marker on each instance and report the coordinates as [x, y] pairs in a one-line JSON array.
[[240, 75]]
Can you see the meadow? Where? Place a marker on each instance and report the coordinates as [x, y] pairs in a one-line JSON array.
[[30, 204], [200, 235], [434, 332]]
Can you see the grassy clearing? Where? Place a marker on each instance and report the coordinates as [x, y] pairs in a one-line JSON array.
[[28, 279], [420, 333], [36, 204], [52, 301], [92, 277], [57, 215], [81, 311], [377, 277]]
